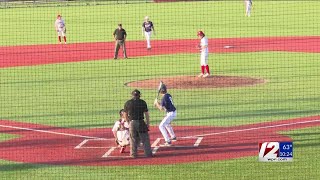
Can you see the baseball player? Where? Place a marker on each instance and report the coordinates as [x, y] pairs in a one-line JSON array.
[[147, 28], [121, 132], [60, 27], [167, 105], [248, 5], [204, 55]]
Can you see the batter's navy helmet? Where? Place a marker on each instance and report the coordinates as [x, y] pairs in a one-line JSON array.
[[163, 89]]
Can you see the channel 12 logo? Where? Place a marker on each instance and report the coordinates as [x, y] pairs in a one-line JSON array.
[[275, 151]]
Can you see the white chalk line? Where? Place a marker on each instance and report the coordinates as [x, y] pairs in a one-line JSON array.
[[81, 144], [250, 129], [52, 132], [109, 152], [154, 144], [197, 143]]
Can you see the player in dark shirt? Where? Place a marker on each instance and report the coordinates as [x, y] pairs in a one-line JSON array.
[[135, 110], [167, 105], [147, 29]]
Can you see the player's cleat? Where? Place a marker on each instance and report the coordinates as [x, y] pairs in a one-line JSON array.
[[65, 42], [149, 48], [122, 149], [166, 144], [206, 75], [174, 139], [200, 75], [115, 58]]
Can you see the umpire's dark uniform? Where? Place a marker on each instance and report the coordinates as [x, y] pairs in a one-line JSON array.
[[120, 36], [135, 110]]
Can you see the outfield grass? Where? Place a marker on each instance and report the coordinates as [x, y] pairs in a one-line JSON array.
[[89, 94], [172, 21]]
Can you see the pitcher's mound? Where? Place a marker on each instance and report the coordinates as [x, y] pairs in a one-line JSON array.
[[194, 82]]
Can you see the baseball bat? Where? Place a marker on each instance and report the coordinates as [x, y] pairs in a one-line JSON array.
[[159, 87]]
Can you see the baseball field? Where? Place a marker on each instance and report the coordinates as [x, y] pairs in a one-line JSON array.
[[60, 101]]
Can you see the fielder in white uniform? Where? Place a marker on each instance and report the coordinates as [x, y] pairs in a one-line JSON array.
[[165, 125], [60, 27], [248, 5], [121, 132], [147, 29], [204, 55]]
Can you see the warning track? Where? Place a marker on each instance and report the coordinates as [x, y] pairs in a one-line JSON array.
[[41, 144]]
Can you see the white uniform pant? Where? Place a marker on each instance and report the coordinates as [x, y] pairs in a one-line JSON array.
[[204, 59], [166, 127], [62, 31], [248, 8], [123, 137], [148, 37]]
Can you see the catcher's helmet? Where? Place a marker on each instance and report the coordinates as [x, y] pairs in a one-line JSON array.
[[163, 89], [121, 112], [136, 93], [200, 33]]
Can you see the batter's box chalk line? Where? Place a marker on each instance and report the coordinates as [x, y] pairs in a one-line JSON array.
[[81, 145], [156, 145]]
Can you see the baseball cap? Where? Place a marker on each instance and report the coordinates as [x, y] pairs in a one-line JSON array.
[[119, 24], [136, 93], [200, 33], [58, 15]]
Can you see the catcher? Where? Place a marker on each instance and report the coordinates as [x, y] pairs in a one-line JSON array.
[[121, 132]]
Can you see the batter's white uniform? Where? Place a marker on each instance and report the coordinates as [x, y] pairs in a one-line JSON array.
[[60, 27], [122, 129], [171, 113], [204, 52]]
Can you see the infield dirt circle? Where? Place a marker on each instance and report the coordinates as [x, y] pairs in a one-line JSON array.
[[189, 82]]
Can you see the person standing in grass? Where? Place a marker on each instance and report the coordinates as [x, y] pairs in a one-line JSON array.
[[61, 29]]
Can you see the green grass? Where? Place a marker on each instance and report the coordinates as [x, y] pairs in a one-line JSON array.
[[172, 21], [89, 94]]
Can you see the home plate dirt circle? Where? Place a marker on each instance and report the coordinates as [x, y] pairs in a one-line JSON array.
[[42, 144], [190, 82]]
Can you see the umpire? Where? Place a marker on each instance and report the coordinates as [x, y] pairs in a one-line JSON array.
[[135, 110], [120, 36]]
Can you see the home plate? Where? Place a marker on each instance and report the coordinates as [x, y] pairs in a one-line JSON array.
[[228, 47]]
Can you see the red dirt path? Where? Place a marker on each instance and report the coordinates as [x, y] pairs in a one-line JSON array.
[[50, 146], [191, 82], [13, 56]]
